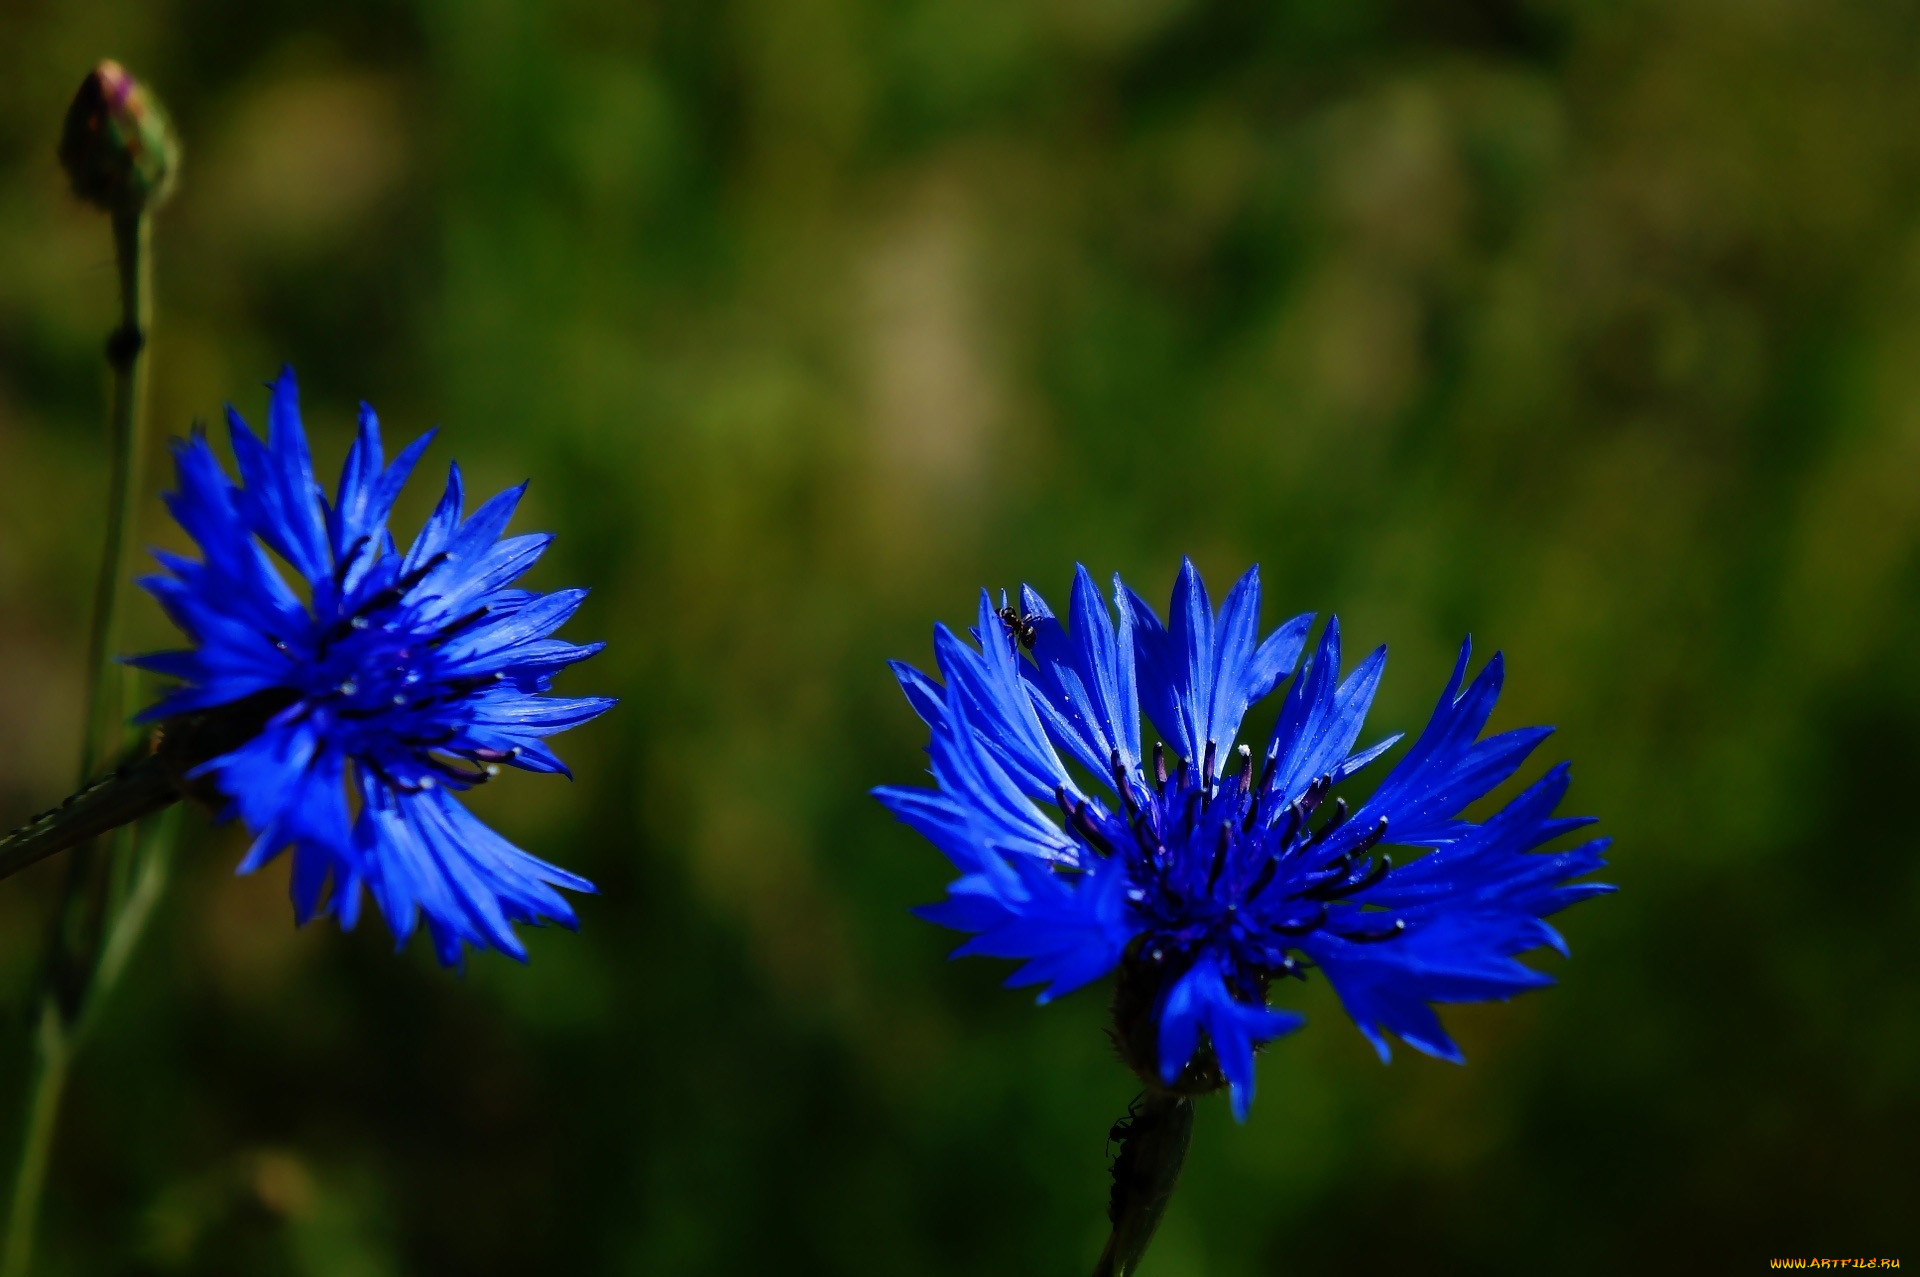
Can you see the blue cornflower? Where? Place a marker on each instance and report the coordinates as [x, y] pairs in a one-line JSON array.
[[1202, 877], [364, 702]]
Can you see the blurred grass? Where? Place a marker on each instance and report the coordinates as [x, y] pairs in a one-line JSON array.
[[1592, 330]]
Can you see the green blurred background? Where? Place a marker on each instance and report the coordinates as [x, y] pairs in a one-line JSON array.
[[1590, 328]]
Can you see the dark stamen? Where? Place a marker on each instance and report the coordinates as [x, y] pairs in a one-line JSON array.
[[1297, 928], [1373, 937], [1329, 883], [393, 782], [459, 774], [1219, 860], [384, 599], [1206, 767], [443, 737], [1246, 769], [1316, 792], [1191, 805], [1120, 779], [395, 592], [453, 628], [1293, 823], [1339, 818], [1379, 869], [1160, 766], [347, 561], [1088, 831]]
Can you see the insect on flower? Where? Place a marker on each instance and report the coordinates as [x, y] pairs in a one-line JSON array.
[[1019, 625], [1203, 871]]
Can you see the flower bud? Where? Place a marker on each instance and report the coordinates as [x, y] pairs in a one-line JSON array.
[[117, 146]]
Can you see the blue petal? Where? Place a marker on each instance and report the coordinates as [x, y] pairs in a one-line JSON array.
[[1449, 767], [1068, 931], [280, 496], [1001, 817], [465, 661], [1470, 908], [1199, 675], [1000, 704], [286, 787], [1322, 718], [429, 858], [1198, 1000], [1084, 683], [358, 521], [440, 526]]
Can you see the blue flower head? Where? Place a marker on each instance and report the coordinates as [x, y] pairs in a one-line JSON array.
[[373, 692], [1204, 870]]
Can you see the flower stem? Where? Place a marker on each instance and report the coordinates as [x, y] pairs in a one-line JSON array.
[[84, 935], [107, 680], [147, 858], [138, 788], [1158, 1129]]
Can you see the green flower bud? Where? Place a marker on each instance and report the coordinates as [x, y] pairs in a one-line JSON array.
[[117, 147]]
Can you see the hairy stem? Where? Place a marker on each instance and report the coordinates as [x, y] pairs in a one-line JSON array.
[[1157, 1131], [137, 788]]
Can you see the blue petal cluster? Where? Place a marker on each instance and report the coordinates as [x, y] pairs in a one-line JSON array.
[[1206, 875], [388, 682]]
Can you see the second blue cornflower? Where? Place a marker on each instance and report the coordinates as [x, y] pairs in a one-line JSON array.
[[1204, 870]]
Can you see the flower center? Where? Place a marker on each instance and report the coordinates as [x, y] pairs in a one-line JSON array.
[[379, 686], [1226, 863]]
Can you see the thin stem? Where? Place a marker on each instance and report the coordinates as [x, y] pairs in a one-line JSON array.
[[138, 788], [150, 855], [1158, 1130], [107, 680], [82, 927], [151, 859]]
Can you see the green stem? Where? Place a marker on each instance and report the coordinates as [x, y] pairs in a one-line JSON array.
[[149, 855], [150, 858], [107, 680], [83, 930], [1159, 1129]]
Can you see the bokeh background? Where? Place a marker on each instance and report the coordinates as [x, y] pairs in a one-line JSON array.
[[1590, 328]]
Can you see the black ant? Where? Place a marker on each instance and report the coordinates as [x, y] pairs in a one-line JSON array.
[[1122, 1129], [1019, 625]]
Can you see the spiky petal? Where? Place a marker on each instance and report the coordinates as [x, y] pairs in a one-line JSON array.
[[1208, 873], [397, 680]]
